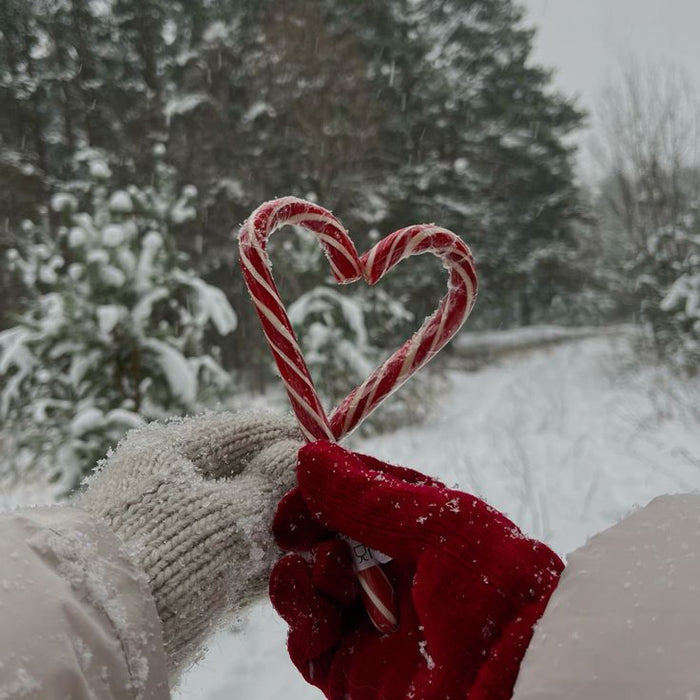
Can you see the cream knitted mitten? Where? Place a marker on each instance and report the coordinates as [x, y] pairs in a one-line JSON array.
[[192, 501]]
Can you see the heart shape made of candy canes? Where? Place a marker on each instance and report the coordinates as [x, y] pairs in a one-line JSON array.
[[347, 266]]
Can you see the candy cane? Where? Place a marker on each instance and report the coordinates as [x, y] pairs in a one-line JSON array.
[[435, 332], [255, 262]]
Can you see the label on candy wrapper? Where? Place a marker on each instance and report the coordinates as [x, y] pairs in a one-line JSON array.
[[363, 557]]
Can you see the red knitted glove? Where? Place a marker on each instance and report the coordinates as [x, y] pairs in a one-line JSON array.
[[470, 585]]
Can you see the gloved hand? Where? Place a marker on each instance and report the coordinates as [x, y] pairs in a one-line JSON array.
[[470, 585], [192, 501]]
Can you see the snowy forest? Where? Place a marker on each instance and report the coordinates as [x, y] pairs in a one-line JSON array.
[[136, 136]]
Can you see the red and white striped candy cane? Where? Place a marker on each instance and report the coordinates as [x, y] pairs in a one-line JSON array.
[[435, 332], [255, 262], [376, 590]]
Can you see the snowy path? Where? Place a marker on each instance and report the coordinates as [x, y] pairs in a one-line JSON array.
[[565, 440]]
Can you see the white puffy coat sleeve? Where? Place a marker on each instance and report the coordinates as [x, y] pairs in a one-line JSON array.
[[77, 619], [624, 622]]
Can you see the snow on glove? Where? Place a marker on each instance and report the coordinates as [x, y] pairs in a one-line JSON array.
[[193, 500], [470, 585]]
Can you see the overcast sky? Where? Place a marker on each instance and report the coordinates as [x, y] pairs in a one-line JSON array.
[[585, 40]]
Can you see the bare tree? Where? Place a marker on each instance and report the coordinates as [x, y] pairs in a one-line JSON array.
[[649, 149], [650, 204]]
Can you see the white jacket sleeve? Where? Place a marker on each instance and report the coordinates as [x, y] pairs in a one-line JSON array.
[[624, 622], [76, 618]]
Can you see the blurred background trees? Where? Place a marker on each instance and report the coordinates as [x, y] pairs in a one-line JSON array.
[[110, 332], [649, 205], [387, 113]]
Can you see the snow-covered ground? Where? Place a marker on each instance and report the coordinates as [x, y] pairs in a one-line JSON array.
[[564, 439]]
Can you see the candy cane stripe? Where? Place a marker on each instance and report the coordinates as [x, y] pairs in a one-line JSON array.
[[250, 269], [318, 418], [377, 602]]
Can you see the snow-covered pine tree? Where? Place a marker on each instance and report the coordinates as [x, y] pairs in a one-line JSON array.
[[333, 334], [112, 333], [335, 330], [491, 159], [668, 284]]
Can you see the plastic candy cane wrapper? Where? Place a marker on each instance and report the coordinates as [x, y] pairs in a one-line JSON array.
[[347, 266]]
